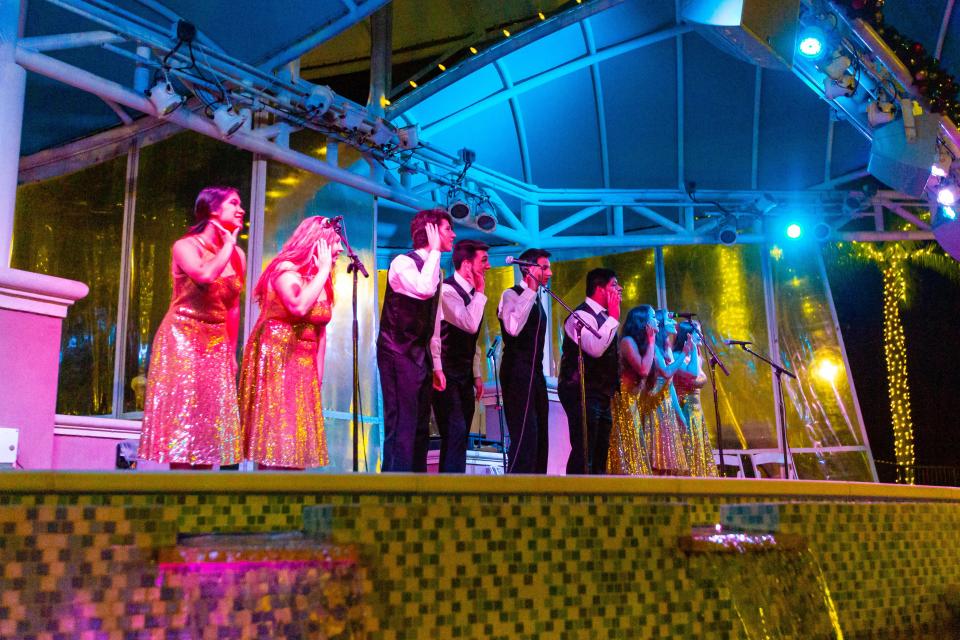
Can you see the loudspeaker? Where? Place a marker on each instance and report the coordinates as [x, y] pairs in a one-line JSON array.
[[760, 32], [901, 164]]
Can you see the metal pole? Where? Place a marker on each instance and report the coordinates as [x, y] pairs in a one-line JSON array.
[[773, 343], [13, 82], [381, 44]]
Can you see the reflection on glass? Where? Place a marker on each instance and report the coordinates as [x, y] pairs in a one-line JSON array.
[[292, 195], [723, 286], [636, 273], [171, 175], [71, 227], [820, 408]]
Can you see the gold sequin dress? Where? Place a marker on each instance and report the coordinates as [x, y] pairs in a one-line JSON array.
[[279, 391], [665, 434], [697, 441], [631, 408], [190, 410]]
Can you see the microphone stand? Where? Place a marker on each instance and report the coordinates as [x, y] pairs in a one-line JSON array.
[[583, 389], [355, 268], [714, 361], [492, 354], [781, 407]]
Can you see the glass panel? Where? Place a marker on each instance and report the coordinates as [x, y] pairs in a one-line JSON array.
[[724, 287], [820, 408], [292, 195], [636, 271], [172, 173], [72, 227]]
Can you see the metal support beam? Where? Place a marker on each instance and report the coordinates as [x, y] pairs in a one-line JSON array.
[[517, 123], [381, 49], [653, 216], [773, 341], [258, 200], [123, 302], [63, 41], [569, 221], [944, 25], [13, 82]]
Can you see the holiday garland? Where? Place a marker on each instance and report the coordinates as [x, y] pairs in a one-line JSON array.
[[931, 80]]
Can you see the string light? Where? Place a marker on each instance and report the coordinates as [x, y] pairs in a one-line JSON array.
[[473, 50], [506, 33], [441, 67]]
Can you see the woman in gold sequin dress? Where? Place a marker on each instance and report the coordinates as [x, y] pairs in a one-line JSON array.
[[665, 430], [190, 416], [283, 361], [631, 406], [688, 381]]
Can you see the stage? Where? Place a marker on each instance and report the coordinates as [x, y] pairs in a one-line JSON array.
[[135, 554]]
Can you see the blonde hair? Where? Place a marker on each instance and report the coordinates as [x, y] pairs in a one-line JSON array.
[[298, 249]]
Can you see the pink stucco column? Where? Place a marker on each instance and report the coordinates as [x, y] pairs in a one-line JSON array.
[[32, 308]]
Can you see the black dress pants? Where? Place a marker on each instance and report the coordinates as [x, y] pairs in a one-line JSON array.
[[453, 408], [407, 387], [526, 409], [599, 421]]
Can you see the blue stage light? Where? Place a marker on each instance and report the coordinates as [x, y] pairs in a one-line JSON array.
[[812, 43], [946, 196], [794, 231], [950, 213]]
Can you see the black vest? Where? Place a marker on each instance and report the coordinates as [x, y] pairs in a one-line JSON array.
[[526, 348], [457, 347], [602, 375], [406, 323]]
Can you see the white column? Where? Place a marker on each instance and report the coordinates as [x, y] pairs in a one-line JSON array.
[[13, 81]]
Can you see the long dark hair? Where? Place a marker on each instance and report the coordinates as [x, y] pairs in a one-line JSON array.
[[662, 334], [634, 327], [209, 199]]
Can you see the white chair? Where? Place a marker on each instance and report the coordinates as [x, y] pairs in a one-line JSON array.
[[731, 461], [769, 464]]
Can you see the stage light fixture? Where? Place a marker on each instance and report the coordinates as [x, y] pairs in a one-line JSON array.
[[946, 195], [383, 132], [320, 99], [409, 137], [942, 166], [227, 120], [794, 231], [164, 99], [812, 43], [727, 232], [845, 87], [881, 111], [485, 220], [821, 231], [948, 212], [459, 209]]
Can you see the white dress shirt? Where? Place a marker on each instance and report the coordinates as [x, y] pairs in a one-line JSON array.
[[406, 279], [464, 317], [514, 308], [592, 345]]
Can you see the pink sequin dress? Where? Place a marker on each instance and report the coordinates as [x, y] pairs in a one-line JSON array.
[[279, 390], [190, 411]]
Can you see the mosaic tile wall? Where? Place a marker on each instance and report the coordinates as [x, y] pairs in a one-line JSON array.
[[429, 565]]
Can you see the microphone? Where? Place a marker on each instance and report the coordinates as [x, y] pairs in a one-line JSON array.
[[737, 343], [493, 347], [520, 263], [684, 314]]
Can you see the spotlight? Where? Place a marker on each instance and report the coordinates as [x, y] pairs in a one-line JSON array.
[[409, 137], [383, 132], [942, 166], [320, 99], [948, 213], [838, 65], [794, 231], [946, 195], [845, 87], [485, 220], [227, 120], [164, 99], [881, 112], [459, 210], [811, 42], [727, 233]]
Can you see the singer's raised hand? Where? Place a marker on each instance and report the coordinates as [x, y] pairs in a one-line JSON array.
[[433, 237]]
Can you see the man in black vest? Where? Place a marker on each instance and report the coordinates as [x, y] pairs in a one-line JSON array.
[[601, 371], [407, 322], [523, 325], [457, 382]]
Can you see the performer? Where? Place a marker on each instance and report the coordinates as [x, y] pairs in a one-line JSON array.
[[688, 381], [665, 435], [282, 371], [523, 325], [190, 416], [632, 406], [601, 311], [457, 381], [407, 323]]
